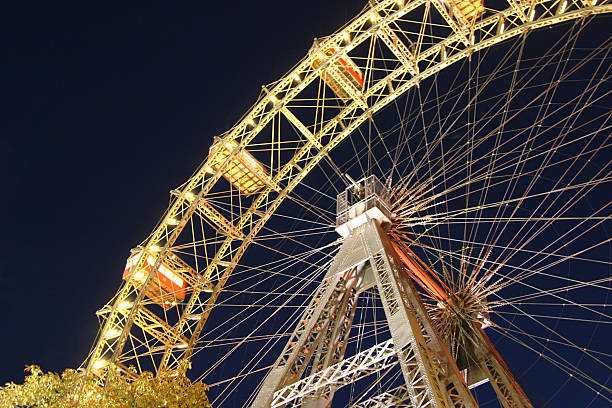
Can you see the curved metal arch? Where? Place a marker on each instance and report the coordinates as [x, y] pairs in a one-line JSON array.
[[179, 339]]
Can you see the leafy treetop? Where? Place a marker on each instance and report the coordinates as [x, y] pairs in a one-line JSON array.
[[71, 389]]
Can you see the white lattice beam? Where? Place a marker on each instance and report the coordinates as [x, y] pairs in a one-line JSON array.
[[360, 365], [391, 398]]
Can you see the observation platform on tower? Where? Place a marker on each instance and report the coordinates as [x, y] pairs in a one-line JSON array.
[[365, 199]]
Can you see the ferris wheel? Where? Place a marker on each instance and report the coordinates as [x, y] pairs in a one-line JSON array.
[[417, 214]]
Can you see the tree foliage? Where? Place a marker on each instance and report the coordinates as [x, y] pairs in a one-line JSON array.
[[71, 389]]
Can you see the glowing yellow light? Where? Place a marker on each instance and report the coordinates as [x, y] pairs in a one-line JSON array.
[[563, 6], [181, 346], [112, 333], [400, 2], [273, 98], [251, 122], [320, 55], [532, 15], [296, 77], [99, 364], [139, 275], [501, 29], [155, 248], [172, 221], [126, 304], [189, 196], [372, 17], [347, 36], [208, 289]]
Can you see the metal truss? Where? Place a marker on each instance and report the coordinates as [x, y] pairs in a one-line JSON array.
[[135, 329], [323, 326], [431, 376], [367, 362], [508, 391], [398, 397]]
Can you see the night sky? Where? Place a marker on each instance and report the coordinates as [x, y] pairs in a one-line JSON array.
[[106, 108]]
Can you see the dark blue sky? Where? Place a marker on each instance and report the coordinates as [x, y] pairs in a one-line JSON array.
[[106, 107]]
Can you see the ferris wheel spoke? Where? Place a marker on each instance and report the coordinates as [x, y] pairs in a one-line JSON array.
[[295, 233], [288, 217], [575, 198], [516, 250], [566, 257], [546, 95], [489, 169], [563, 367], [288, 322], [522, 159], [241, 375], [457, 150], [222, 303], [574, 319], [581, 349], [561, 258], [499, 203], [288, 294], [288, 297], [538, 293], [553, 293], [554, 357], [504, 280], [590, 183]]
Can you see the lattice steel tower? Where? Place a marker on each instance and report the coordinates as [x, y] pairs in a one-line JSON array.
[[368, 259]]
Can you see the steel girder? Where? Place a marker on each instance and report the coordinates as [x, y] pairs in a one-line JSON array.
[[431, 376]]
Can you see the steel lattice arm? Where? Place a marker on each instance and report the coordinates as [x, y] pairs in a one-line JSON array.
[[396, 397], [360, 365]]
